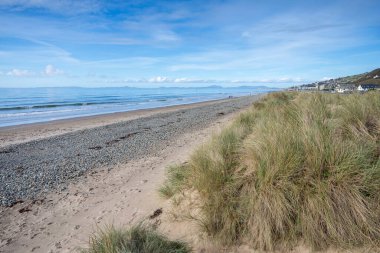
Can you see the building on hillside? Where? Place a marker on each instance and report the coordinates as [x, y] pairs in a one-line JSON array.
[[321, 86], [345, 88], [312, 86], [367, 87], [327, 86]]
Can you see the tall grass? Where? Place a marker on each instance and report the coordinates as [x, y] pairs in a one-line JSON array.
[[295, 168], [175, 180], [138, 239]]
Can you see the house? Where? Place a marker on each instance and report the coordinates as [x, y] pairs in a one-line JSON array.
[[312, 86], [345, 88], [321, 86], [367, 87]]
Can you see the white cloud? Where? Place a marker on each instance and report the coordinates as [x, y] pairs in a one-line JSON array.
[[288, 80], [50, 70], [159, 79], [20, 72], [162, 79], [183, 80]]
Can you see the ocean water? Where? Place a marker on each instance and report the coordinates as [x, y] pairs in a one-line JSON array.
[[31, 105]]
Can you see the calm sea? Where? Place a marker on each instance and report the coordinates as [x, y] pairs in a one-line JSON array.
[[31, 105]]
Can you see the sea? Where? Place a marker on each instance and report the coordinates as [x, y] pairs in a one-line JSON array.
[[31, 105]]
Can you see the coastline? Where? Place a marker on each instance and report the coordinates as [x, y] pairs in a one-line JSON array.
[[123, 192], [32, 168], [17, 134]]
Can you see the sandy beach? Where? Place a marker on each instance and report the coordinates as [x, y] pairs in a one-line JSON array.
[[61, 180]]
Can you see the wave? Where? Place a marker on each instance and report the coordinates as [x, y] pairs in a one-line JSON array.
[[46, 106], [20, 114]]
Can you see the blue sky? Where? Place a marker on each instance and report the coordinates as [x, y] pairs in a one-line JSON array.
[[96, 43]]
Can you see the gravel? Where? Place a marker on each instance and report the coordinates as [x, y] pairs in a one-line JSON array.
[[33, 169]]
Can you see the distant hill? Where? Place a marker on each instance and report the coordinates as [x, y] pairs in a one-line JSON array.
[[220, 87], [372, 77], [257, 87]]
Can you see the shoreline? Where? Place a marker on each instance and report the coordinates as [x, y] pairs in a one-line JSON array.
[[10, 135], [49, 160], [108, 113]]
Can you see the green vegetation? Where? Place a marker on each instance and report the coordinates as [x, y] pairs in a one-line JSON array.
[[176, 175], [295, 168], [138, 239], [372, 77]]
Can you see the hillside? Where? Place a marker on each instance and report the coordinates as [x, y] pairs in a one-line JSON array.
[[368, 78], [372, 77]]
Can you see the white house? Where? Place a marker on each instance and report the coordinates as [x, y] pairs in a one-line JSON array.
[[367, 87], [345, 88]]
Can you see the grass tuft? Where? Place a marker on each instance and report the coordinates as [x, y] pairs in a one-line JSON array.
[[138, 239], [175, 180]]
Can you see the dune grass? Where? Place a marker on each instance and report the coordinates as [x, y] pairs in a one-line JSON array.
[[175, 180], [138, 239], [295, 168]]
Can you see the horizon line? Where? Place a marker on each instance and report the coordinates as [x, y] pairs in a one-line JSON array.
[[150, 87]]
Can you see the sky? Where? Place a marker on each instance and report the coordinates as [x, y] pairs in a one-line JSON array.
[[94, 43]]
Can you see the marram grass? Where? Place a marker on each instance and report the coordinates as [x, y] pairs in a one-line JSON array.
[[175, 177], [296, 168], [138, 239]]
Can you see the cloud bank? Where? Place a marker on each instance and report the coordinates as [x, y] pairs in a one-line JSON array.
[[49, 71]]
